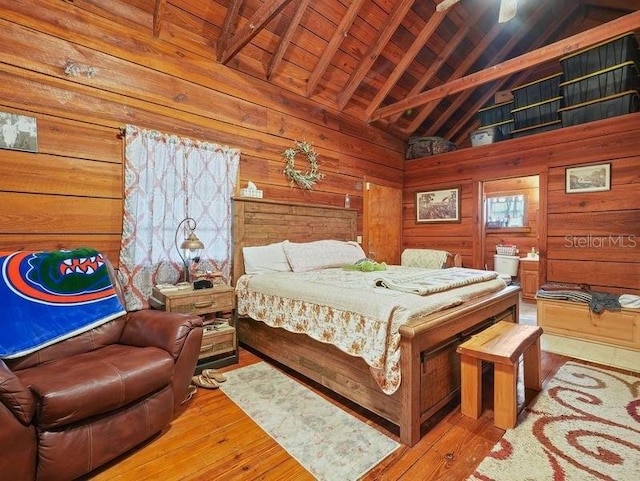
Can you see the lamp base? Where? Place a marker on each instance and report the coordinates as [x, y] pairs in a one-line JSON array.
[[202, 284]]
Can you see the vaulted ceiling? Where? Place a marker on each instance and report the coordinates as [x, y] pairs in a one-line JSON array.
[[398, 64]]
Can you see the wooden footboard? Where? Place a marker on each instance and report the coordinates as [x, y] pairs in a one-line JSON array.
[[430, 366]]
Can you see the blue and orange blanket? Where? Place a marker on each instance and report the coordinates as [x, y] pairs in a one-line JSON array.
[[46, 297]]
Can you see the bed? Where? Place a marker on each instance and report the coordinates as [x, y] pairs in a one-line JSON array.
[[429, 366]]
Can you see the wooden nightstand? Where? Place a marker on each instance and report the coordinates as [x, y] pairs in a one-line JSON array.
[[219, 343]]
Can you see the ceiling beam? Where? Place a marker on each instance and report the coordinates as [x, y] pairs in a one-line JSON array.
[[622, 25], [441, 57], [462, 68], [230, 20], [286, 38], [257, 22], [334, 44], [445, 4], [384, 35], [158, 14], [415, 48]]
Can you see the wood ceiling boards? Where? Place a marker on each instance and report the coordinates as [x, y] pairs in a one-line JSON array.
[[398, 64]]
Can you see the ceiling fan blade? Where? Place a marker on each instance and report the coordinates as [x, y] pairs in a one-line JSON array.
[[442, 6], [508, 10]]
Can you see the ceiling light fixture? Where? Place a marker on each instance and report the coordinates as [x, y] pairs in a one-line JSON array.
[[508, 8]]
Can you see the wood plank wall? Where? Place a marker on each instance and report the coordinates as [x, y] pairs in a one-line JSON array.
[[70, 192], [591, 238]]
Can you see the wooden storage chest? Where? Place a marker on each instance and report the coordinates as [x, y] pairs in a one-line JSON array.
[[574, 319]]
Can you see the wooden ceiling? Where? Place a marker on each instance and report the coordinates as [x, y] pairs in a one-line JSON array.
[[397, 64]]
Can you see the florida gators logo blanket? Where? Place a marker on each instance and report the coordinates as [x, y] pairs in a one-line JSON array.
[[50, 296]]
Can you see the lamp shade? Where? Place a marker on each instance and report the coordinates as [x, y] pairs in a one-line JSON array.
[[192, 243]]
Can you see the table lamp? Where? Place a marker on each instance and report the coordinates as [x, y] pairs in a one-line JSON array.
[[190, 247]]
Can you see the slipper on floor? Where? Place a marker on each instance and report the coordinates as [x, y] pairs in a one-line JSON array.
[[204, 382], [214, 374], [192, 390]]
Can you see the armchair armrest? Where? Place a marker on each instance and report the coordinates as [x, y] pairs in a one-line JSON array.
[[453, 260], [16, 396], [165, 330]]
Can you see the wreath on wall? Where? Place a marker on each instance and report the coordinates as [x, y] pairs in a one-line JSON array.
[[305, 180]]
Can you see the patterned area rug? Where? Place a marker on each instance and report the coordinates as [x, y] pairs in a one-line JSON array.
[[585, 425], [331, 444]]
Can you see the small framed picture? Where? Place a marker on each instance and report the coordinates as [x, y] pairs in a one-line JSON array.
[[18, 132], [588, 178], [434, 206]]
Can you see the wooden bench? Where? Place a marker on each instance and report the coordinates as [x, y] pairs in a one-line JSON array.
[[501, 344]]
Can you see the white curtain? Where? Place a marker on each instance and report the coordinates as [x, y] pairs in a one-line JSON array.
[[166, 179]]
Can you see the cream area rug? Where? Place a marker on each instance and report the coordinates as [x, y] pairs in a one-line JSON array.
[[584, 425], [331, 444]]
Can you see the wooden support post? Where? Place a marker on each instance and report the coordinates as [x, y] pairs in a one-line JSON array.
[[533, 366], [505, 409], [471, 386]]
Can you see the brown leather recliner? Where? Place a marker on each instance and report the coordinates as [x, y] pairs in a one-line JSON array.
[[75, 405]]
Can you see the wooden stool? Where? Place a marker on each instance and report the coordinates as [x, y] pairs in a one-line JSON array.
[[502, 344]]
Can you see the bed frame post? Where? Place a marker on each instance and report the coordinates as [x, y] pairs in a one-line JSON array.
[[409, 392]]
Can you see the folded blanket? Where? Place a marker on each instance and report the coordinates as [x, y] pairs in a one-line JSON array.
[[564, 286], [598, 301], [604, 300], [629, 301], [429, 281], [565, 295], [51, 296]]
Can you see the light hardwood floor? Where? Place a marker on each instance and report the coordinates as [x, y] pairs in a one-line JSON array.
[[212, 439]]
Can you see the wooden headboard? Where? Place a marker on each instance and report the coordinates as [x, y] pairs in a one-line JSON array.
[[259, 222]]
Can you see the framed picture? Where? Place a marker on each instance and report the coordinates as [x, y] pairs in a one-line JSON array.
[[588, 178], [18, 132], [438, 205]]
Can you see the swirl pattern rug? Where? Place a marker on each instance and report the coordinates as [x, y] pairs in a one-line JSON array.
[[585, 425], [331, 444]]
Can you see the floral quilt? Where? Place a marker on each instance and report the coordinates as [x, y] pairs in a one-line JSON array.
[[346, 309]]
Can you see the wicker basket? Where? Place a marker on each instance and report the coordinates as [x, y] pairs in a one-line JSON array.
[[506, 250]]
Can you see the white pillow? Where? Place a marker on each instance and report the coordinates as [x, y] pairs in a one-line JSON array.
[[269, 258], [308, 256]]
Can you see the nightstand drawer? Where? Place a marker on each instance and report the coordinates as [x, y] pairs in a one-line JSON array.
[[204, 303], [217, 341], [189, 301]]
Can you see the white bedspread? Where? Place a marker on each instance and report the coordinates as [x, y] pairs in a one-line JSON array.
[[344, 308], [417, 281]]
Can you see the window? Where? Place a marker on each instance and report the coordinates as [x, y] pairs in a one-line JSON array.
[[504, 211]]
